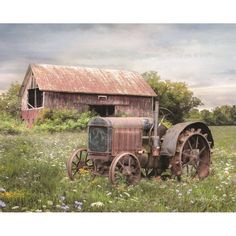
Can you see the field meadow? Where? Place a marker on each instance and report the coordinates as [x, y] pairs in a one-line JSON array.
[[33, 178]]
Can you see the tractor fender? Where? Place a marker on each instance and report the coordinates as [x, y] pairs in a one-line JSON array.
[[168, 147]]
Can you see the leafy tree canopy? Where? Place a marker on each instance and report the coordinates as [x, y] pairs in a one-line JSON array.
[[10, 102], [175, 96]]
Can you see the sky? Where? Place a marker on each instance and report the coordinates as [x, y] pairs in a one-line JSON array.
[[201, 55]]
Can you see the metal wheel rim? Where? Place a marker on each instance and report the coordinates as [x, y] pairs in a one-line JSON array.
[[75, 162], [195, 156], [127, 167], [200, 150]]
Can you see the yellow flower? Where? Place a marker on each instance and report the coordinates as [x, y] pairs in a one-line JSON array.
[[12, 195]]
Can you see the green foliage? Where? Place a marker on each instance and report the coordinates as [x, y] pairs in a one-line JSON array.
[[175, 96], [194, 114], [33, 173], [223, 115], [10, 125], [58, 120], [10, 101]]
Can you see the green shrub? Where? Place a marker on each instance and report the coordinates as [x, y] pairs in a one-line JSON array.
[[59, 120], [9, 125], [10, 101]]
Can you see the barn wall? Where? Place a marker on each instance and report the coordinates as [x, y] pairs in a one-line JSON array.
[[131, 105], [30, 115], [24, 98]]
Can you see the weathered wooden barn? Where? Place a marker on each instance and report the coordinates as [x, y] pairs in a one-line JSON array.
[[108, 92]]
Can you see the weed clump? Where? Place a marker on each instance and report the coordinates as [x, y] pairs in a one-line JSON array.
[[58, 120]]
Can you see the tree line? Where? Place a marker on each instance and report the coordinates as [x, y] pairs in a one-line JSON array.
[[222, 115]]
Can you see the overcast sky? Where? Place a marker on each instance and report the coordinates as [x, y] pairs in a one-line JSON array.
[[202, 55]]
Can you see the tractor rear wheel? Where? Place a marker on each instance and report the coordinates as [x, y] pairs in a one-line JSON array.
[[125, 169], [193, 155]]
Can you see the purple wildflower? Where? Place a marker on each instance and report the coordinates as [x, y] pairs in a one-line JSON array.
[[78, 205], [2, 204], [64, 207]]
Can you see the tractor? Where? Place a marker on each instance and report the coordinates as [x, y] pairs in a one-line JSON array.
[[127, 148]]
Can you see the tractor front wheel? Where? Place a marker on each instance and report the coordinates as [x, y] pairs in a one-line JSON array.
[[78, 163], [125, 169]]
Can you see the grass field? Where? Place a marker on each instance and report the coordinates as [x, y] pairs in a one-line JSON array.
[[33, 178]]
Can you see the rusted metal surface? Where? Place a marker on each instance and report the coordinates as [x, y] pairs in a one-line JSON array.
[[126, 140], [169, 144], [89, 80], [113, 135]]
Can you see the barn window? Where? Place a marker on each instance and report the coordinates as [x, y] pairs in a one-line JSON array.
[[103, 110], [35, 98]]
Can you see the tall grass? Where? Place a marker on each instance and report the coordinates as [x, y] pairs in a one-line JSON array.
[[33, 175]]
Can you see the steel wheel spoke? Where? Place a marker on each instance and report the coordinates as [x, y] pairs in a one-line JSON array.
[[190, 145], [122, 165], [76, 164], [197, 142], [202, 150], [129, 162]]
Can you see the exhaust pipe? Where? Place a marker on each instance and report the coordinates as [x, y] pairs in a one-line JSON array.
[[156, 138]]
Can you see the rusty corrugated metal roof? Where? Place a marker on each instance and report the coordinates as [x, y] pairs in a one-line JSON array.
[[90, 80]]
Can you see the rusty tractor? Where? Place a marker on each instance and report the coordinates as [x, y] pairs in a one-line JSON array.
[[126, 148]]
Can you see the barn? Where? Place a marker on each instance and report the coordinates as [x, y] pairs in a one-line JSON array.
[[108, 92]]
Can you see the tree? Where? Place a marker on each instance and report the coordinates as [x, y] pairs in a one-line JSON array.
[[175, 96], [194, 114], [207, 116], [10, 102], [222, 115]]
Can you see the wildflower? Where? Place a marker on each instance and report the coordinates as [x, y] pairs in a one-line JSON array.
[[109, 193], [62, 198], [2, 204], [97, 204], [78, 205], [64, 207], [189, 191], [50, 203], [2, 190], [226, 172]]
